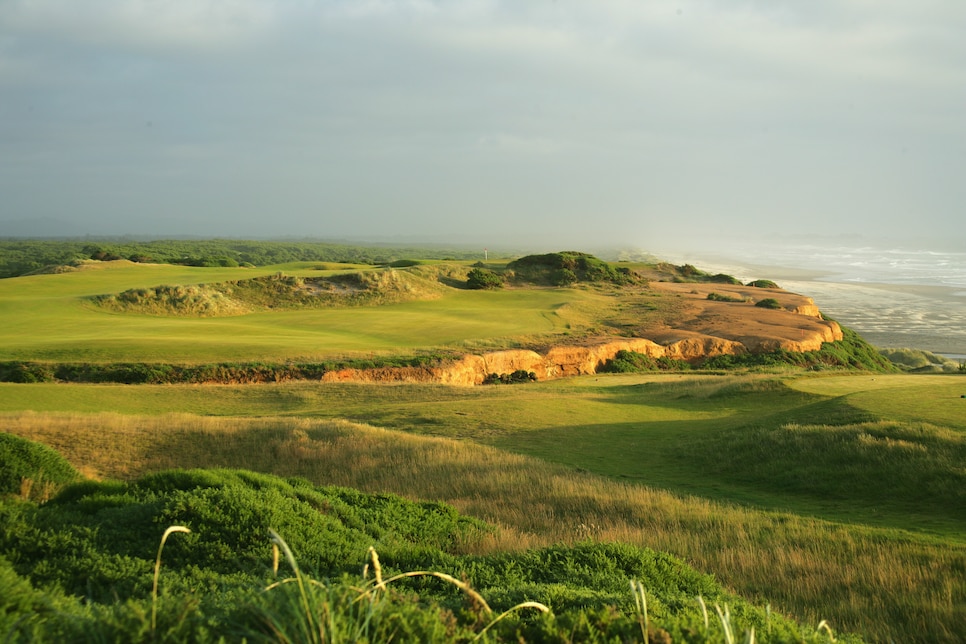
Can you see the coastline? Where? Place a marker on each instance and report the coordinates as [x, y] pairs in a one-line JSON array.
[[888, 314]]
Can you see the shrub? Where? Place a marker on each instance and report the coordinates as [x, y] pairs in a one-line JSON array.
[[563, 277], [25, 372], [517, 377], [722, 278], [481, 278], [689, 270], [763, 284], [567, 267], [31, 469], [628, 362], [769, 303], [718, 297], [633, 362]]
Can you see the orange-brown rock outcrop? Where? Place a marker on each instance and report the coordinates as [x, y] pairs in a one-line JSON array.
[[706, 328]]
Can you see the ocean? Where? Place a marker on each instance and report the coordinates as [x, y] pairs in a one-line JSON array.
[[893, 297]]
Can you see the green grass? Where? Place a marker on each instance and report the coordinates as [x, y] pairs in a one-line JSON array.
[[831, 496], [703, 435], [95, 540], [47, 317], [887, 583]]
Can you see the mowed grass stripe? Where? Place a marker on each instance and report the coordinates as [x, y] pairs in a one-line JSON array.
[[936, 399]]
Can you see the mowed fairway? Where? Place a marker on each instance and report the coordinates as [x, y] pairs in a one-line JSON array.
[[917, 398], [47, 317]]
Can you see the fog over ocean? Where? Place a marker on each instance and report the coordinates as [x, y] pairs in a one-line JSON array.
[[894, 297]]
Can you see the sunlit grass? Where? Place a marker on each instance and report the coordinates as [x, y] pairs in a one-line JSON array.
[[48, 317], [881, 582], [704, 435]]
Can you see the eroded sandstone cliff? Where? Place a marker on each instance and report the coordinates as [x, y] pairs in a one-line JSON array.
[[707, 329]]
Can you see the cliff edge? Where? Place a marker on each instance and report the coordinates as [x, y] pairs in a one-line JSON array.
[[703, 328]]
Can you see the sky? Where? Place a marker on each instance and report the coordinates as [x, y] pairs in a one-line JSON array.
[[529, 122]]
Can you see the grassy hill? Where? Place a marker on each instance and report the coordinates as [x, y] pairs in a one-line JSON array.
[[783, 495], [691, 465], [222, 576]]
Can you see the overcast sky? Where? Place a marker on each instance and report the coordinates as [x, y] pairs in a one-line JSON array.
[[557, 121]]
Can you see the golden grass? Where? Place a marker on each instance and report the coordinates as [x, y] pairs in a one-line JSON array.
[[883, 584]]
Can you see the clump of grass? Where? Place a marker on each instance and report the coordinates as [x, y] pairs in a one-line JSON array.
[[31, 470], [718, 297]]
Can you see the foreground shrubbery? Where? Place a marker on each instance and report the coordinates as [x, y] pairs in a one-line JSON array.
[[83, 567], [31, 470]]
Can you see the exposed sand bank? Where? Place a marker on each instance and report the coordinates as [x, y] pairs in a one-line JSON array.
[[919, 316]]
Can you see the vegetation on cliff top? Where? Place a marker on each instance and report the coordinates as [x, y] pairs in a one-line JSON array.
[[567, 267]]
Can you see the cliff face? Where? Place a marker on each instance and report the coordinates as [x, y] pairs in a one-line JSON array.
[[707, 328], [565, 361]]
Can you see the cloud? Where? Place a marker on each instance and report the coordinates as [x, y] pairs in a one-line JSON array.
[[139, 25], [550, 112]]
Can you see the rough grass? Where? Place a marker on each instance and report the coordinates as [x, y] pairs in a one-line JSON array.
[[921, 361], [94, 540], [679, 432], [31, 470], [275, 293], [880, 582]]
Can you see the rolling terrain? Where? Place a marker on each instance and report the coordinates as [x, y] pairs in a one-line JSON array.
[[833, 493]]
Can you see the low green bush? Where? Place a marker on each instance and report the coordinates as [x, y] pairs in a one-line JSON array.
[[851, 352], [31, 469], [718, 297], [569, 267], [722, 278], [769, 303], [517, 377], [87, 565], [763, 284], [563, 277], [632, 362], [481, 278]]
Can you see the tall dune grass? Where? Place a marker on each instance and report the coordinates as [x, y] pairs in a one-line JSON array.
[[885, 584]]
